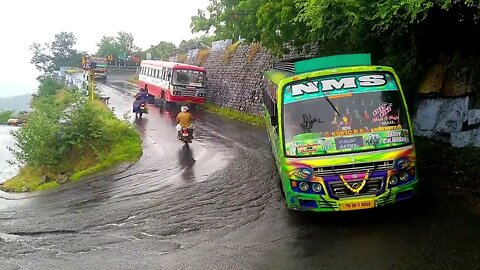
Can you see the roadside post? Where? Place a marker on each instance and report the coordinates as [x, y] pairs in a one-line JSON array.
[[92, 85], [87, 66]]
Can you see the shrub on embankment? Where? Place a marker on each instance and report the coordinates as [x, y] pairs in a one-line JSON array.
[[68, 136], [4, 116]]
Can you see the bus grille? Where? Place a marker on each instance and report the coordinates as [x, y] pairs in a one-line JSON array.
[[354, 168], [372, 187]]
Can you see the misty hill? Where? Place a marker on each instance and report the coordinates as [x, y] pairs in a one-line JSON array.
[[16, 103]]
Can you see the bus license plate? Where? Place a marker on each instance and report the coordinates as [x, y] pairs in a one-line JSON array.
[[189, 101], [355, 205]]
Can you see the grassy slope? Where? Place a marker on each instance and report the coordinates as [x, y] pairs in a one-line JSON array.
[[234, 114], [127, 147]]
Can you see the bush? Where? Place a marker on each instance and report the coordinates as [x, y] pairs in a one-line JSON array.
[[182, 58], [202, 56], [4, 116], [230, 51], [67, 135], [253, 50]]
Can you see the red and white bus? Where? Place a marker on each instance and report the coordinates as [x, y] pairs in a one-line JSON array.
[[175, 82]]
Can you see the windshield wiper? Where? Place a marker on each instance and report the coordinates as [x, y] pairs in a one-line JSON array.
[[328, 100]]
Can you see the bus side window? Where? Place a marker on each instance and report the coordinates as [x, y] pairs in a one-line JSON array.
[[271, 107]]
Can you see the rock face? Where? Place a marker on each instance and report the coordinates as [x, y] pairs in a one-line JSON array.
[[451, 115], [448, 119]]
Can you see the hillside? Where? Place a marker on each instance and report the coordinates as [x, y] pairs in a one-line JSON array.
[[16, 103]]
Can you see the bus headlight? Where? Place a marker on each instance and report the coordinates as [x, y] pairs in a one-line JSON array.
[[403, 176], [316, 187], [393, 180], [303, 186]]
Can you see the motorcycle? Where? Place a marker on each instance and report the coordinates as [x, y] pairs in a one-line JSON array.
[[142, 109], [185, 136], [139, 107]]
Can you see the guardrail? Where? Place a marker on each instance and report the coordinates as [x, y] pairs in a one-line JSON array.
[[122, 67]]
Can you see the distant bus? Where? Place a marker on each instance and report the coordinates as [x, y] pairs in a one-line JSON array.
[[340, 133], [174, 82]]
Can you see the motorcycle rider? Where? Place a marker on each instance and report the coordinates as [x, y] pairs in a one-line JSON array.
[[140, 97], [185, 120]]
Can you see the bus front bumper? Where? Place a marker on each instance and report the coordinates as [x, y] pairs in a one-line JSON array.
[[324, 203]]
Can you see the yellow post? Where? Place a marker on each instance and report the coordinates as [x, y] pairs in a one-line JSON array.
[[92, 85]]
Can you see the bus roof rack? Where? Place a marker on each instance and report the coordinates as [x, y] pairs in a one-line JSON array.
[[303, 65], [288, 65]]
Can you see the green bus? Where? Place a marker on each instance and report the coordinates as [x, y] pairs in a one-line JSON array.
[[340, 133]]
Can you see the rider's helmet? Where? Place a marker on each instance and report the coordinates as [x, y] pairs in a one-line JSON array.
[[184, 108]]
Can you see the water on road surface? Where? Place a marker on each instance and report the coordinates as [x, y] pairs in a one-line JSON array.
[[6, 140], [217, 205]]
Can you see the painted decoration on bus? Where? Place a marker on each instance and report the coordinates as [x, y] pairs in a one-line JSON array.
[[349, 113]]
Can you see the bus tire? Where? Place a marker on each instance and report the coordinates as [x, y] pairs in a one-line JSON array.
[[151, 99]]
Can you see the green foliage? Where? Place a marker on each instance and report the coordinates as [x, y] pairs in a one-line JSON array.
[[162, 50], [119, 46], [48, 57], [234, 114], [405, 34], [202, 42], [68, 135], [49, 87], [107, 46], [5, 115]]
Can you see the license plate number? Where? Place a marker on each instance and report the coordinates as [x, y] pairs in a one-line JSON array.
[[355, 205]]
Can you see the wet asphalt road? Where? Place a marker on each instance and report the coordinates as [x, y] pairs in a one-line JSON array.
[[216, 205]]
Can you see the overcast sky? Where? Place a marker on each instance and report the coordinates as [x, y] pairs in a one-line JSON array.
[[26, 21]]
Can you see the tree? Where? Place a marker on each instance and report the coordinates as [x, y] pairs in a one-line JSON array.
[[41, 58], [124, 42], [51, 56], [62, 46], [108, 45], [162, 50], [270, 22], [195, 43]]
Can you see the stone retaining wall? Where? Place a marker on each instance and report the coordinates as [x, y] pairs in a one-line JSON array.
[[237, 83]]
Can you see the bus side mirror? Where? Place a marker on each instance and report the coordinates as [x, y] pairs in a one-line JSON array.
[[274, 121]]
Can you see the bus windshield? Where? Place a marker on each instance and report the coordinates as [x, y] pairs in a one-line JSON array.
[[188, 77], [350, 113]]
